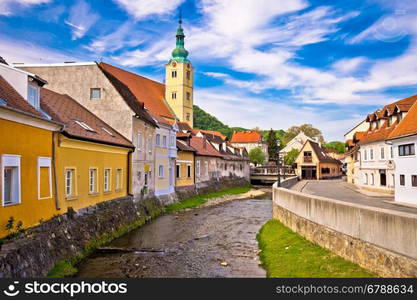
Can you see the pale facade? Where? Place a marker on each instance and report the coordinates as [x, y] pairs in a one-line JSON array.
[[296, 143]]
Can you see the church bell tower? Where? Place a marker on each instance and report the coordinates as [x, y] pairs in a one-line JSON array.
[[179, 79]]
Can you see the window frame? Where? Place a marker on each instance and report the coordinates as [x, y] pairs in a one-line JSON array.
[[161, 174], [402, 180], [109, 189], [118, 179], [402, 150], [36, 89], [178, 171], [12, 161], [95, 181], [157, 139], [174, 74], [94, 90], [44, 162], [174, 95], [73, 183], [164, 141], [197, 168], [414, 181], [189, 168]]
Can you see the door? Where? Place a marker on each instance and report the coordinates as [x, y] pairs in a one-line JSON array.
[[383, 179]]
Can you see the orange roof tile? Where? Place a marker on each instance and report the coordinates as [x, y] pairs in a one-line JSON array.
[[378, 134], [150, 92], [216, 133], [246, 137], [408, 125], [203, 147]]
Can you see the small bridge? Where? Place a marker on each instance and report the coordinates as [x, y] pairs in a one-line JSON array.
[[269, 174]]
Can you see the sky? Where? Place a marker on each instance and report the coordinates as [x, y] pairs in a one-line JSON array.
[[258, 63]]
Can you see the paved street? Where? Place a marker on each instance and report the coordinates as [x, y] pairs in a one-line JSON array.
[[341, 190]]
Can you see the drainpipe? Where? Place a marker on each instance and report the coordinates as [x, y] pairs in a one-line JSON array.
[[129, 177], [54, 134]]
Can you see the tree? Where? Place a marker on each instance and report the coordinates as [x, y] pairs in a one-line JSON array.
[[308, 130], [290, 157], [336, 145], [256, 156], [273, 148]]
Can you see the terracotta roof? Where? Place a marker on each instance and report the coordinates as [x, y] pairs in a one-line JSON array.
[[14, 100], [211, 132], [321, 154], [183, 126], [203, 147], [160, 120], [183, 146], [378, 134], [148, 91], [246, 137], [182, 135], [408, 125], [64, 109], [136, 106]]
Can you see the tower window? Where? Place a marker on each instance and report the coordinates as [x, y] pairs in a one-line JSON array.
[[95, 93], [188, 117], [188, 96], [188, 75], [174, 95], [174, 73]]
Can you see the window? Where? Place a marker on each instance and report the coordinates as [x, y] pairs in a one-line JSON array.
[[189, 171], [161, 171], [107, 175], [44, 178], [206, 167], [197, 168], [188, 117], [158, 139], [107, 131], [371, 154], [70, 190], [308, 156], [95, 93], [10, 185], [225, 167], [174, 95], [33, 96], [188, 96], [174, 73], [164, 141], [188, 74], [149, 145], [92, 183], [382, 153], [84, 125], [392, 152], [402, 180], [365, 155], [393, 180], [414, 180], [372, 179], [139, 142], [366, 178], [405, 150], [172, 141], [119, 179], [178, 171]]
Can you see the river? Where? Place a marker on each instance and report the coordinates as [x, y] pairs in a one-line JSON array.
[[216, 241]]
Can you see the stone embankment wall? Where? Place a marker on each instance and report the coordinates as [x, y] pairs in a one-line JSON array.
[[36, 251], [380, 240]]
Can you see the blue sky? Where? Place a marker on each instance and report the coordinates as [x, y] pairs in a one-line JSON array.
[[265, 63]]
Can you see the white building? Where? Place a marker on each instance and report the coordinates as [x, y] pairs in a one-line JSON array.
[[404, 139], [296, 143], [376, 158]]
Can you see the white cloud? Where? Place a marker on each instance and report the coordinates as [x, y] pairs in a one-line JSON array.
[[80, 19], [8, 7], [144, 8], [19, 51]]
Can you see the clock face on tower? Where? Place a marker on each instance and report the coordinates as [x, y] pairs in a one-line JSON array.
[[174, 64]]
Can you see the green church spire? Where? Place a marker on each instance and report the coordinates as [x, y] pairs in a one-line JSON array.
[[179, 54]]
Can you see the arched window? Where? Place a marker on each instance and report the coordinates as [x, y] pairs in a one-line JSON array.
[[366, 178]]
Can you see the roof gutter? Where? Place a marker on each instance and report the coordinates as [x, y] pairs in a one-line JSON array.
[[95, 141]]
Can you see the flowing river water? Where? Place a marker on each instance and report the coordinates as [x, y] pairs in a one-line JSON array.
[[214, 241]]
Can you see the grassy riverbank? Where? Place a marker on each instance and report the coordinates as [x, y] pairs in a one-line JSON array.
[[201, 199], [287, 254]]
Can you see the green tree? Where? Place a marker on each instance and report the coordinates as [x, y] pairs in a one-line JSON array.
[[290, 157], [308, 130], [256, 156], [336, 145], [273, 148]]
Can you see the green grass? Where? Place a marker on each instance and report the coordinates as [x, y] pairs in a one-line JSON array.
[[201, 199], [287, 254]]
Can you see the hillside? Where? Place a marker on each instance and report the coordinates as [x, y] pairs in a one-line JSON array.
[[203, 120]]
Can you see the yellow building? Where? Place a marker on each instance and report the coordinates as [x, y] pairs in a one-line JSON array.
[[313, 163], [184, 172], [179, 81], [27, 190], [93, 160]]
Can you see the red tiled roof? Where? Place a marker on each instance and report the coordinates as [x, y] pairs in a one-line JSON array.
[[15, 100], [183, 126], [321, 153], [216, 133], [64, 109], [183, 146], [408, 125], [182, 134], [378, 134], [246, 137], [150, 92], [203, 147]]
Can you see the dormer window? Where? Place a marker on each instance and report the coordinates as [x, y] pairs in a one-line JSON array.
[[95, 93], [107, 131], [84, 125], [33, 95]]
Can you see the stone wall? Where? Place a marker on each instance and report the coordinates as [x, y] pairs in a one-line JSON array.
[[380, 240], [37, 250]]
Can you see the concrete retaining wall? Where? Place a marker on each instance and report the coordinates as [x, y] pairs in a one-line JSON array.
[[380, 240]]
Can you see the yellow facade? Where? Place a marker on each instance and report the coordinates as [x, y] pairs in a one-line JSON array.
[[31, 146], [84, 159], [185, 177], [161, 178], [179, 90]]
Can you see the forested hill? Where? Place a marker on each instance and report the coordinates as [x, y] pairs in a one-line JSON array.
[[203, 120]]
